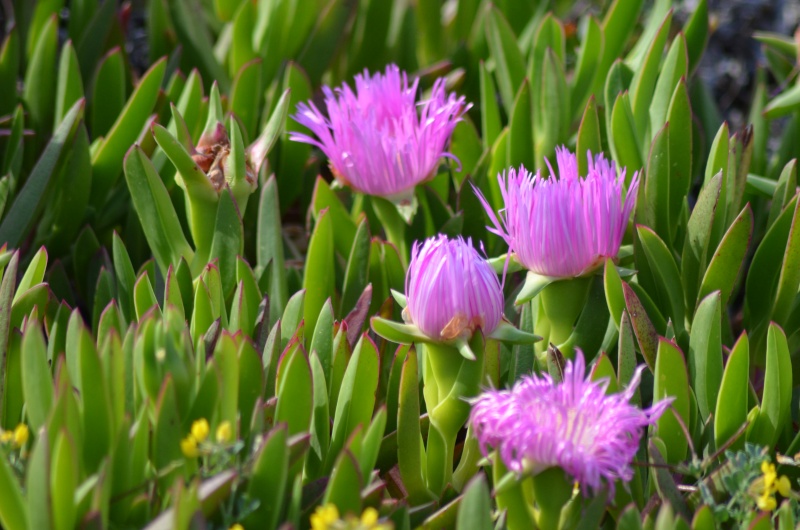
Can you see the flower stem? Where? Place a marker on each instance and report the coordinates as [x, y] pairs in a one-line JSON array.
[[562, 303], [449, 380], [394, 225]]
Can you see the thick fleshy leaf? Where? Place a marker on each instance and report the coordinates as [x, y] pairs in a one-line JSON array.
[[705, 353], [156, 213], [731, 410], [107, 159], [672, 380], [724, 267], [776, 402], [318, 277], [30, 199], [509, 61]]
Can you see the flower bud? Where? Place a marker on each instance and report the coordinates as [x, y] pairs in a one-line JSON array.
[[451, 290]]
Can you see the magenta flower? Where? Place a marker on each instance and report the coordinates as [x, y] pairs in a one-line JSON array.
[[573, 425], [566, 226], [451, 290], [375, 139]]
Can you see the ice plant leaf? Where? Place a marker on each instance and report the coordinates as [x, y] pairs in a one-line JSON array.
[[587, 70], [508, 58], [775, 404], [705, 353], [325, 198], [672, 380], [37, 383], [228, 239], [259, 149], [724, 267], [39, 85], [152, 203], [644, 78], [589, 139], [9, 69], [618, 24], [409, 437], [623, 136], [475, 510], [520, 133], [318, 277], [70, 85], [30, 199], [667, 279], [294, 389], [107, 159], [643, 328], [356, 397], [731, 409], [490, 114], [673, 69], [268, 482]]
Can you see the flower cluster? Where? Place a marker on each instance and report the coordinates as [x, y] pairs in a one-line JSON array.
[[769, 484], [573, 425], [17, 437], [327, 518], [564, 226], [190, 446], [375, 138], [451, 290]]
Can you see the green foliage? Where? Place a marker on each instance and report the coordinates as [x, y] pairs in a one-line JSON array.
[[134, 309]]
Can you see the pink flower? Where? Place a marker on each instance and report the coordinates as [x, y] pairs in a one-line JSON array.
[[566, 226], [451, 290], [573, 425], [375, 139]]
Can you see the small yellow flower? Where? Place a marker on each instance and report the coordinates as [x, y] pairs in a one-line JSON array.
[[224, 432], [236, 526], [369, 518], [21, 434], [766, 502], [6, 436], [200, 429], [189, 447], [324, 516]]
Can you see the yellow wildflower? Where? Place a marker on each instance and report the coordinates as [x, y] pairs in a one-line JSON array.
[[21, 434], [200, 429], [324, 516], [189, 447], [224, 432], [236, 526], [369, 518], [6, 436], [767, 502], [770, 484]]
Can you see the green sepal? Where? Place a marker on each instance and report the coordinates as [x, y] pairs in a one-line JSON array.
[[534, 284]]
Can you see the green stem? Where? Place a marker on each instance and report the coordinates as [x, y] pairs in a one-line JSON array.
[[562, 303], [393, 225], [449, 380]]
